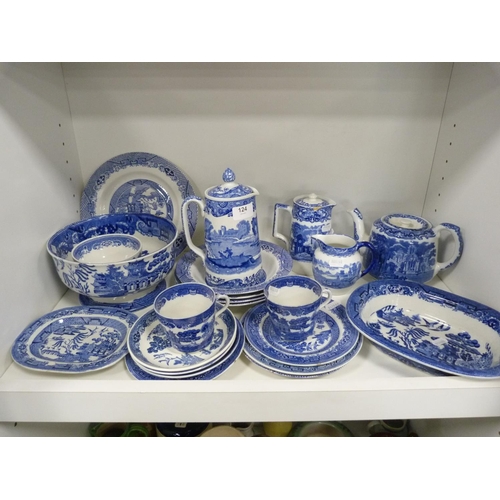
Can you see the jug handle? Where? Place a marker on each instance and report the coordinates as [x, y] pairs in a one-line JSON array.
[[185, 223], [459, 245], [276, 234], [370, 247]]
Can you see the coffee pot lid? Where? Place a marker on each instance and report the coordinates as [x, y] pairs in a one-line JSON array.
[[229, 188], [312, 200]]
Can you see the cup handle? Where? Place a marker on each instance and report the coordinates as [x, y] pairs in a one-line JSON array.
[[226, 299], [185, 224], [276, 234], [326, 298], [370, 247]]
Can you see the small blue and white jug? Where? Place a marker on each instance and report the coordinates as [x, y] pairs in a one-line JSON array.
[[232, 254], [407, 247], [310, 215]]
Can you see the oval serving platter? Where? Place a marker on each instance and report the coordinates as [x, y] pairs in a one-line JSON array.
[[429, 326]]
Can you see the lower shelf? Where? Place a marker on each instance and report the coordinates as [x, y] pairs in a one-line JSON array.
[[371, 386]]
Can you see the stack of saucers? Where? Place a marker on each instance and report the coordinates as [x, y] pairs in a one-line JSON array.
[[153, 357], [276, 262], [333, 343]]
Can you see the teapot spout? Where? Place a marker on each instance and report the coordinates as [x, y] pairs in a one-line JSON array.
[[359, 225]]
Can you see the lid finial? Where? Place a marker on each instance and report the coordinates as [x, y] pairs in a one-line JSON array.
[[228, 175]]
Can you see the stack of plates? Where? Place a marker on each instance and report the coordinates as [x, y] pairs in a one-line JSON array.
[[276, 261], [152, 356], [331, 346]]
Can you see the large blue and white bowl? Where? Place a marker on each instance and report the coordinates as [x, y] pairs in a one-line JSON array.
[[120, 279]]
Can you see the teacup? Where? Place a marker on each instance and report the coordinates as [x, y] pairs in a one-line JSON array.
[[107, 249], [293, 303], [188, 312]]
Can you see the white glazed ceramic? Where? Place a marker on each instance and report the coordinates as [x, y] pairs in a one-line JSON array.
[[231, 253], [407, 247], [107, 249], [149, 346], [188, 312], [310, 214], [337, 260], [124, 279], [139, 182], [293, 303], [429, 326]]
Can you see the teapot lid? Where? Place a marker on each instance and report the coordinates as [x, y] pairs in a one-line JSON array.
[[313, 201], [229, 188]]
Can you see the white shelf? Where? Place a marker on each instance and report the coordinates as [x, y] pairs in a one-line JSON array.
[[371, 386]]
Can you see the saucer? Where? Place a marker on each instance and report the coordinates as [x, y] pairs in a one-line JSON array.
[[144, 299], [74, 340], [217, 369], [150, 349], [295, 371], [276, 262], [333, 338]]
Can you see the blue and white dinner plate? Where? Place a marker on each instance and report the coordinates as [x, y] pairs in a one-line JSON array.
[[333, 338], [74, 340], [143, 301], [276, 262], [295, 371], [151, 350], [216, 370], [141, 183], [429, 326]]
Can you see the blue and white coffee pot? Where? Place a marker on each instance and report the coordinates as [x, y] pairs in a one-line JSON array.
[[311, 215], [232, 254]]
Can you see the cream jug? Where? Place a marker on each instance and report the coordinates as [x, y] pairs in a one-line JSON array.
[[232, 254]]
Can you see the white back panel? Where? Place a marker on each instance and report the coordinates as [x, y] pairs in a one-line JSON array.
[[363, 134], [464, 187], [40, 191]]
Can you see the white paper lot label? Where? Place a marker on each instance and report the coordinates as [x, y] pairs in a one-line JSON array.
[[243, 212]]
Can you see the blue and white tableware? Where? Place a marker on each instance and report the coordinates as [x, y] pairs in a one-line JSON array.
[[293, 303], [429, 326], [74, 340], [188, 312], [310, 215], [107, 249], [231, 254], [337, 261], [123, 279], [407, 247]]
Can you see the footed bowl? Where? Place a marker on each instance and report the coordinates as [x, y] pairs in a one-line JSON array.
[[156, 234]]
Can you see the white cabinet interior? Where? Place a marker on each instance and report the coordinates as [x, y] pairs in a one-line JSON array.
[[419, 138]]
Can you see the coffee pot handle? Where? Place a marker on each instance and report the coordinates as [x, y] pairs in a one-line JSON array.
[[185, 223], [459, 245], [276, 234]]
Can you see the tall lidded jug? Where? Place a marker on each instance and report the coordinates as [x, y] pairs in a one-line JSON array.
[[232, 255], [311, 215]]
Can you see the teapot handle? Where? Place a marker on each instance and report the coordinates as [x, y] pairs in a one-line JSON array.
[[185, 223], [459, 245], [276, 234]]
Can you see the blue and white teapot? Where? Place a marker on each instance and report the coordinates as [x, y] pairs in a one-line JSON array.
[[232, 254], [406, 247]]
